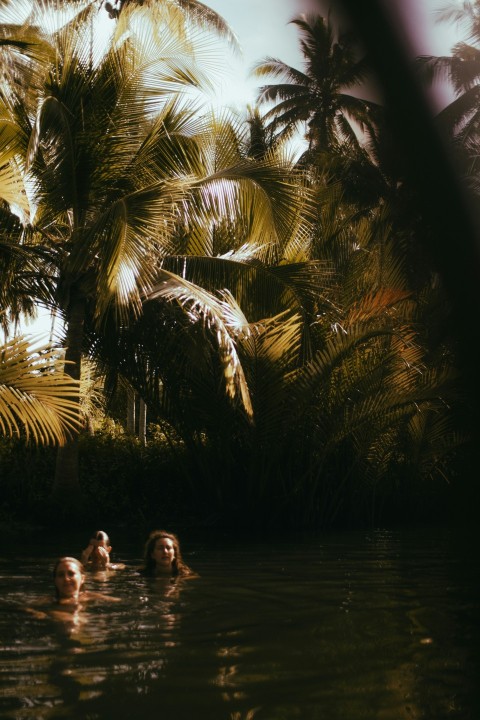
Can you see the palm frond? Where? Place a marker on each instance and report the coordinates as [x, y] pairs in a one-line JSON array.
[[36, 397], [223, 316]]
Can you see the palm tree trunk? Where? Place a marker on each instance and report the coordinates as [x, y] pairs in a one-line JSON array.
[[66, 493]]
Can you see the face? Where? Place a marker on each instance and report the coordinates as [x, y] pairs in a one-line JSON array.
[[68, 580], [164, 554]]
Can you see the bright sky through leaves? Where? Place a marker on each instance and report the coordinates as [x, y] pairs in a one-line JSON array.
[[263, 28]]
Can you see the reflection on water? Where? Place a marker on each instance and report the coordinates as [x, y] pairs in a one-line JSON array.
[[374, 626]]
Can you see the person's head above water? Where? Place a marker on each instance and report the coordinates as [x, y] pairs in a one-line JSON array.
[[101, 538], [163, 556], [68, 578], [98, 551]]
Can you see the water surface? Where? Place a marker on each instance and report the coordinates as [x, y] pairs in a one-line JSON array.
[[364, 625]]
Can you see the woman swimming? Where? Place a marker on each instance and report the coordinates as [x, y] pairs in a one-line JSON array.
[[163, 557], [68, 580], [97, 553]]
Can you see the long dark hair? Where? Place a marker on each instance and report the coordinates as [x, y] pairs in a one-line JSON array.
[[179, 568]]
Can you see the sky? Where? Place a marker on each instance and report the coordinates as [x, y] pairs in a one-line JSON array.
[[424, 33], [262, 25], [263, 28]]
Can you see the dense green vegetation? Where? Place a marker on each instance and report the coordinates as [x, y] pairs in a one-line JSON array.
[[281, 319]]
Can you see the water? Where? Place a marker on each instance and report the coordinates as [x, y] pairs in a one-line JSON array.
[[366, 625]]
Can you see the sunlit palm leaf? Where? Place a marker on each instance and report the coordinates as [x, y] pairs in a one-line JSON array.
[[260, 289], [36, 397], [223, 316]]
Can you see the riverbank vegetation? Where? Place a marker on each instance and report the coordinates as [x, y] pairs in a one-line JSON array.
[[278, 322]]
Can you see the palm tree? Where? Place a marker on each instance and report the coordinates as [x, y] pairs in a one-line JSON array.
[[37, 398], [22, 288], [336, 390], [459, 121], [118, 166], [192, 10], [318, 97]]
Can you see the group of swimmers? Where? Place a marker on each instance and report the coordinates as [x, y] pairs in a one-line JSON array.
[[162, 558]]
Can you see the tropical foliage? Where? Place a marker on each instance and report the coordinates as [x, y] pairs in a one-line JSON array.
[[119, 167], [38, 400], [319, 97], [287, 337], [459, 120]]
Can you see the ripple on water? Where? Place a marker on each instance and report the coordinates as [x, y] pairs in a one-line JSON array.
[[358, 626]]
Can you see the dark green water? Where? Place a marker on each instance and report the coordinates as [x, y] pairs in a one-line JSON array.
[[366, 625]]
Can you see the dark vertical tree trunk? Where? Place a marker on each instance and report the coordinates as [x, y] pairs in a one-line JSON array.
[[131, 416], [66, 493], [142, 422]]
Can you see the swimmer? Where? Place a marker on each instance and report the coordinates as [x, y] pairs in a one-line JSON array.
[[163, 557], [68, 579], [97, 554]]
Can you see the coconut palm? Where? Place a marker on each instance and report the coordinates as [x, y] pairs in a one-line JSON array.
[[460, 118], [117, 164], [459, 121], [22, 288], [307, 433], [319, 97], [194, 11]]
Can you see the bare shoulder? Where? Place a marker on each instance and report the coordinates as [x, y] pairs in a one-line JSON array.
[[92, 595]]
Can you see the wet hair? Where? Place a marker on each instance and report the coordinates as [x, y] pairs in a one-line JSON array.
[[179, 568], [63, 560], [67, 559], [101, 536]]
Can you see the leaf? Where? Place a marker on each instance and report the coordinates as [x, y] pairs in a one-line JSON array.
[[36, 396]]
